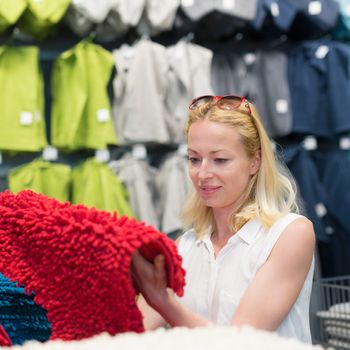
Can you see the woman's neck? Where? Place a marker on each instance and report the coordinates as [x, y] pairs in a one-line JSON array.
[[222, 230]]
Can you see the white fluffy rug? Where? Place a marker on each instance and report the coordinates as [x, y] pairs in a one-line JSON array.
[[211, 338]]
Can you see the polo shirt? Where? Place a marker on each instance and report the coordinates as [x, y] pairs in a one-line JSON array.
[[95, 185], [10, 12], [81, 110], [22, 124], [41, 17], [51, 179]]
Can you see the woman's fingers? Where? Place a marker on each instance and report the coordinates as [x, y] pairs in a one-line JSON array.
[[144, 271], [160, 271]]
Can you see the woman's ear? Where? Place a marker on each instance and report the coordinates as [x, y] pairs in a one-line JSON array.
[[255, 162]]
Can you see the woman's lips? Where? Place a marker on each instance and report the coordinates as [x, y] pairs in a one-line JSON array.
[[208, 190]]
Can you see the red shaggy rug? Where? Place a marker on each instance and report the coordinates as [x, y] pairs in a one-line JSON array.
[[4, 338], [77, 260]]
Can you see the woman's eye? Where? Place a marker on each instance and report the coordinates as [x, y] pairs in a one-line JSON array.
[[220, 160], [193, 160]]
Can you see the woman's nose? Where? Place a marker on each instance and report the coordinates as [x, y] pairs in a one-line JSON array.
[[204, 171]]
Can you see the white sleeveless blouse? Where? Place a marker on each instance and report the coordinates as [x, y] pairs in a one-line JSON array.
[[214, 286]]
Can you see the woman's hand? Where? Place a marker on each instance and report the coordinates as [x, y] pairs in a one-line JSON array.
[[150, 279]]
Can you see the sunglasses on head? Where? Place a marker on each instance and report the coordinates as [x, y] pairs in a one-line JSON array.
[[227, 102]]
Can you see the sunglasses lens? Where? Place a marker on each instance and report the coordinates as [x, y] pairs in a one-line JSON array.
[[230, 102], [200, 101]]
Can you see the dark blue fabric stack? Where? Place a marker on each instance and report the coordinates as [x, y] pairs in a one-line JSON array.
[[21, 318]]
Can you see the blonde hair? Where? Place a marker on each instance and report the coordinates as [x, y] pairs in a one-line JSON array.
[[271, 192]]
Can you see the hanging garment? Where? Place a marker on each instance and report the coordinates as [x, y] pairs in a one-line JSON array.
[[77, 260], [95, 185], [22, 123], [215, 20], [81, 111], [41, 17], [262, 77], [140, 88], [158, 16], [20, 317], [138, 177], [315, 19], [188, 77], [174, 184], [311, 190], [319, 77], [342, 29], [51, 179], [109, 18], [123, 16], [10, 12], [197, 9], [337, 181]]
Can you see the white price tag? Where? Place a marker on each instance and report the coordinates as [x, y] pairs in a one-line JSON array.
[[228, 4], [310, 143], [315, 8], [187, 3], [102, 155], [50, 153], [26, 118], [320, 210], [103, 115], [139, 151], [344, 143], [322, 51], [329, 230], [282, 106], [249, 58], [274, 9]]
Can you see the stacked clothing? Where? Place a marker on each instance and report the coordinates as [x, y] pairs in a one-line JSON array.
[[77, 262], [336, 321], [20, 317]]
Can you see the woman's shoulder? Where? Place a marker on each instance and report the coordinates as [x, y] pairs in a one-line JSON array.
[[290, 220], [295, 229]]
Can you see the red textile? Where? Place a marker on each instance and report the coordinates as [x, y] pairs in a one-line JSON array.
[[4, 338], [76, 260]]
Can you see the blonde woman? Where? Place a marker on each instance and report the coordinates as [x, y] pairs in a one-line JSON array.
[[248, 253]]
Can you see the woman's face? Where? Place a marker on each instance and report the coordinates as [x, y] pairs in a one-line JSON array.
[[219, 167]]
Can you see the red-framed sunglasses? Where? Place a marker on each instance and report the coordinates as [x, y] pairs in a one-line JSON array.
[[227, 102]]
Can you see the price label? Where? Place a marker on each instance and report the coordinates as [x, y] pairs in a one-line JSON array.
[[103, 115], [310, 143], [139, 151], [228, 4], [282, 106], [315, 8], [274, 9], [102, 155], [26, 118], [50, 153], [322, 51]]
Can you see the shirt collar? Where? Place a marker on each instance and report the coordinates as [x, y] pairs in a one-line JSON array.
[[248, 233]]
